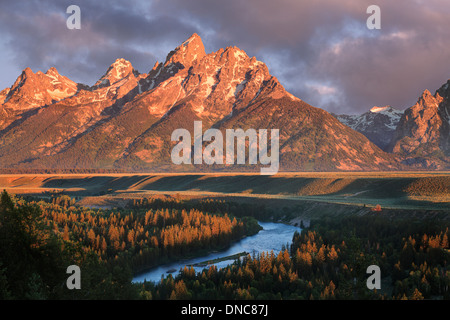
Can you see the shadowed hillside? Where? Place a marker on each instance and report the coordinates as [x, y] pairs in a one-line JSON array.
[[402, 190]]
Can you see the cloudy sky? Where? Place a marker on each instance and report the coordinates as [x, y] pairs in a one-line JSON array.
[[321, 50]]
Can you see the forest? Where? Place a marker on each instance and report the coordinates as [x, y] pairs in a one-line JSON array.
[[39, 239], [327, 260]]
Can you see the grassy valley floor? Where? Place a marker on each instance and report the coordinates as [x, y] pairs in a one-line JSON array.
[[417, 191]]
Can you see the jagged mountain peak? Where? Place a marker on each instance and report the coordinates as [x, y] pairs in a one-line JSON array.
[[185, 54], [56, 78], [423, 132], [26, 74], [235, 51], [27, 71], [31, 90], [52, 71], [428, 101], [117, 71], [122, 66], [426, 92], [194, 37]]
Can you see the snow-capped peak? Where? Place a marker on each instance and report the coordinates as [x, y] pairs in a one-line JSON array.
[[378, 124], [380, 109]]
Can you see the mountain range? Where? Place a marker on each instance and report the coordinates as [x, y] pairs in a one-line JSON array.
[[125, 120], [420, 135]]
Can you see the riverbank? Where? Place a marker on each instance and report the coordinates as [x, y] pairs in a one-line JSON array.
[[213, 261]]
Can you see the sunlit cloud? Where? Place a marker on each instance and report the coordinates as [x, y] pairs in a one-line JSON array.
[[323, 90]]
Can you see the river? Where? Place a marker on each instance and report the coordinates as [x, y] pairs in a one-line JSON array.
[[272, 237]]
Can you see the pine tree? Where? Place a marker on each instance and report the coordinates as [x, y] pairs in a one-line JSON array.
[[91, 236], [66, 233], [332, 254], [416, 295]]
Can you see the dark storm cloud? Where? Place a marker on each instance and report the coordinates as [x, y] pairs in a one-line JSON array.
[[323, 52], [320, 50], [409, 54], [36, 33]]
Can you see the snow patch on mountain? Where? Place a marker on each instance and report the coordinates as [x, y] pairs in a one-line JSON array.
[[378, 124]]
